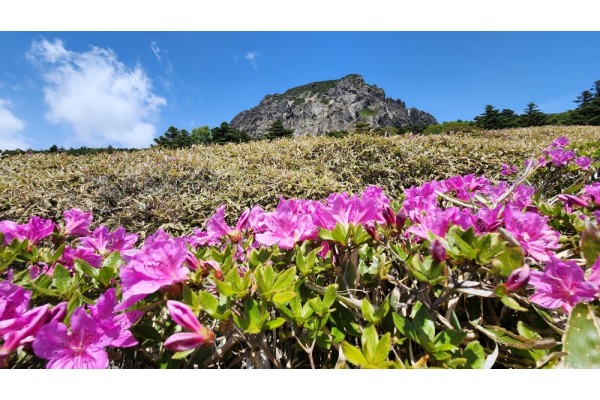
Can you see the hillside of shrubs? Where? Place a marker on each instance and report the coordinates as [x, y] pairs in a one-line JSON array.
[[179, 189], [463, 251]]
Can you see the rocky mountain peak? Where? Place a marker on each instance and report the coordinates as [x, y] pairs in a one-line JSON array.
[[326, 106]]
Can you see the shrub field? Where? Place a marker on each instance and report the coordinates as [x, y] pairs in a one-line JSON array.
[[477, 250]]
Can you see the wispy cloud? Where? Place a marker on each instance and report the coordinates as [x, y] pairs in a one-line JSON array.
[[251, 57], [99, 98], [156, 50], [10, 129]]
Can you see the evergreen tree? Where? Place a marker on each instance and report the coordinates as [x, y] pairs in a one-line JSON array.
[[532, 116], [277, 130], [174, 138], [201, 135], [490, 119], [226, 134]]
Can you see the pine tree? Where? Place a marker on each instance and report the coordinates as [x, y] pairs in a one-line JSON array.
[[277, 130]]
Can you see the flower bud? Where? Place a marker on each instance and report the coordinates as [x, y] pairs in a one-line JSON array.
[[438, 251], [518, 278], [400, 219], [388, 215], [373, 232]]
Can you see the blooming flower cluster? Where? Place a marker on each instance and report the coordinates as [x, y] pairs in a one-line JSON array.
[[77, 336]]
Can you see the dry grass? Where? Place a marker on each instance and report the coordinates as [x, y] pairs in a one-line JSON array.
[[147, 189]]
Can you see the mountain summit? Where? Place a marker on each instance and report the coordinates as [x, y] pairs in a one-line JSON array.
[[328, 106]]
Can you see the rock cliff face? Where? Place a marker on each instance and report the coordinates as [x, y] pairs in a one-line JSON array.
[[328, 106]]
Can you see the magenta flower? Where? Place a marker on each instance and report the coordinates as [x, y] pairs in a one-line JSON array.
[[518, 278], [103, 313], [560, 141], [583, 163], [560, 157], [9, 229], [591, 193], [569, 201], [83, 253], [77, 222], [285, 228], [14, 301], [81, 346], [159, 263], [561, 284], [438, 251], [23, 329], [198, 335], [103, 241], [34, 231], [344, 209], [532, 232]]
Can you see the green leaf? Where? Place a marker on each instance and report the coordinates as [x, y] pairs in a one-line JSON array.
[[383, 349], [275, 323], [105, 275], [582, 338], [61, 278], [225, 288], [340, 234], [474, 355], [360, 236], [208, 302], [182, 354], [507, 261], [285, 280], [369, 341], [368, 311], [510, 339], [75, 301], [325, 234], [113, 261], [354, 355], [450, 337], [329, 296], [283, 297], [84, 268], [147, 332], [590, 242], [422, 320], [265, 278]]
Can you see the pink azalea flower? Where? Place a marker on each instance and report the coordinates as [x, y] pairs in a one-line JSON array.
[[198, 335], [285, 228], [23, 329], [561, 284], [518, 278], [77, 222], [14, 301], [103, 312], [159, 263], [81, 346], [9, 229], [344, 209], [560, 157], [103, 241], [591, 193], [569, 200], [34, 231], [532, 232], [583, 163], [560, 141], [83, 253], [217, 229]]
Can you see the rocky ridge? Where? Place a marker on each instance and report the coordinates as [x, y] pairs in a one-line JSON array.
[[328, 106]]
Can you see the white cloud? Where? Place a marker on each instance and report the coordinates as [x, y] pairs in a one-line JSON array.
[[10, 129], [95, 95], [251, 56], [155, 49]]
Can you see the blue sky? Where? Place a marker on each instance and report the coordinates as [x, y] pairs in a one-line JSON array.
[[124, 88]]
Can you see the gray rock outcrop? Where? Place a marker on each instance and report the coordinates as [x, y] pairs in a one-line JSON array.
[[328, 106]]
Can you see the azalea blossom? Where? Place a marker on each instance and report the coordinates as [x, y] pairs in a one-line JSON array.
[[81, 346], [561, 284], [583, 163], [34, 231], [533, 233], [103, 241], [198, 335], [285, 228], [103, 313], [159, 263], [77, 222], [591, 193]]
